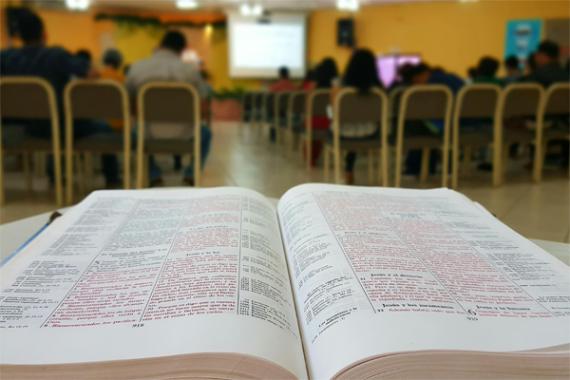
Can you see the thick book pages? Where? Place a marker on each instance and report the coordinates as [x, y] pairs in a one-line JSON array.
[[421, 284], [153, 284], [337, 282]]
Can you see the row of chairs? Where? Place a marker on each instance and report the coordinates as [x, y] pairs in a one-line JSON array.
[[170, 112], [506, 111]]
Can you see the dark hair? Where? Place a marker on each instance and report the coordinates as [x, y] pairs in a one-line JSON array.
[[472, 72], [84, 55], [512, 62], [30, 27], [174, 40], [487, 67], [550, 49], [283, 72], [531, 62], [113, 58], [405, 73], [326, 72], [362, 71]]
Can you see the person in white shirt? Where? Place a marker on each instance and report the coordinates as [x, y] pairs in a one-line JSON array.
[[166, 65]]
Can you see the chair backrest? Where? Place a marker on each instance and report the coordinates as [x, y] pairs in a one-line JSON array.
[[521, 100], [268, 106], [319, 102], [425, 102], [477, 101], [556, 100], [96, 99], [352, 107], [169, 109], [27, 98]]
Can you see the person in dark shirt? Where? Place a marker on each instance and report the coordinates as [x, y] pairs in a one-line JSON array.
[[513, 69], [58, 67], [487, 71], [548, 68]]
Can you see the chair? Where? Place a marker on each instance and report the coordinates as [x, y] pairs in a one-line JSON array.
[[100, 100], [350, 107], [520, 102], [295, 114], [317, 104], [420, 103], [280, 104], [32, 98], [268, 108], [247, 107], [556, 103], [170, 114], [475, 101]]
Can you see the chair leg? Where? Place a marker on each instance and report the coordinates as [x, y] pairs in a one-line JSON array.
[[424, 171], [80, 169], [370, 167], [28, 171], [2, 195], [381, 180], [497, 165], [326, 165], [539, 153], [336, 158]]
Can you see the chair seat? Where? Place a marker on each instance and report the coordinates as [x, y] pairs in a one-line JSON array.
[[169, 146], [104, 143]]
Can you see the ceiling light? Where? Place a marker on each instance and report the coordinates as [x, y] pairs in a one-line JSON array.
[[186, 4], [77, 5], [257, 10], [245, 9], [348, 5], [251, 10]]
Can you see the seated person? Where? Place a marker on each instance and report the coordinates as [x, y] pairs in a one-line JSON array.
[[487, 71], [166, 64], [513, 69], [284, 83], [361, 73], [57, 66], [547, 67]]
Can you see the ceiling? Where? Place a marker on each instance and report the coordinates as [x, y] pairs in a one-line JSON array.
[[169, 5]]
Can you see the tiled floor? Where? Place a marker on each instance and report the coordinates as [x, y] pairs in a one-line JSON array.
[[245, 158]]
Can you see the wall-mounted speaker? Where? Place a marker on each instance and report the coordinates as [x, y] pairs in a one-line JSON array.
[[345, 32]]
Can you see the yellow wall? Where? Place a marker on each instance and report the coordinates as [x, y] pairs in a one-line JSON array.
[[450, 34]]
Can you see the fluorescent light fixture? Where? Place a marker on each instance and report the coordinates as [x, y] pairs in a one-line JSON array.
[[251, 10], [186, 4], [245, 9], [257, 10], [348, 5], [77, 5]]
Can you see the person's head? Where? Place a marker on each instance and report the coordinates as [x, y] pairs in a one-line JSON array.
[[548, 52], [361, 71], [174, 41], [326, 72], [512, 65], [472, 72], [84, 55], [405, 73], [112, 58], [531, 63], [487, 67], [283, 72], [31, 28], [420, 74]]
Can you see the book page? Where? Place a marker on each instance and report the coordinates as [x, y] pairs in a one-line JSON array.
[[139, 274], [378, 271]]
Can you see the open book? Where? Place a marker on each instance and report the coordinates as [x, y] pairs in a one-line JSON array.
[[334, 282]]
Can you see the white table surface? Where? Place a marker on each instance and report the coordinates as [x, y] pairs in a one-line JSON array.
[[13, 235]]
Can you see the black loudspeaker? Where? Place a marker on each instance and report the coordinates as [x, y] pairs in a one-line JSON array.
[[345, 32]]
